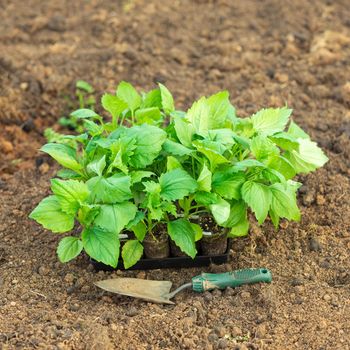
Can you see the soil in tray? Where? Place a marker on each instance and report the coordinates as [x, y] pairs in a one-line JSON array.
[[156, 245], [214, 241]]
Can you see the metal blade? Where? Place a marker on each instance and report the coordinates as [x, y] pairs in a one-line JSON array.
[[155, 291]]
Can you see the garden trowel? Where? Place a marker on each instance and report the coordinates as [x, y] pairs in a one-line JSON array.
[[159, 291]]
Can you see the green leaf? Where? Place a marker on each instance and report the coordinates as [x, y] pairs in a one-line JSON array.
[[220, 211], [227, 184], [204, 179], [258, 197], [70, 194], [183, 234], [83, 85], [240, 229], [172, 163], [138, 175], [63, 154], [132, 252], [110, 190], [214, 157], [238, 212], [115, 217], [284, 202], [271, 120], [128, 94], [198, 115], [97, 166], [297, 132], [176, 148], [308, 158], [85, 113], [49, 214], [152, 99], [139, 230], [167, 99], [114, 105], [219, 107], [68, 174], [69, 248], [285, 141], [101, 245], [205, 198], [283, 166], [148, 140], [198, 231], [263, 148], [92, 128], [184, 131], [87, 213], [148, 115], [176, 184]]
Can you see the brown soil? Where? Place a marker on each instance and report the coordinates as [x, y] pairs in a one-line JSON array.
[[265, 53]]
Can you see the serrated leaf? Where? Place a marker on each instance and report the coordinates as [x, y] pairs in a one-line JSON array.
[[284, 202], [49, 214], [176, 184], [101, 245], [184, 131], [258, 197], [128, 94], [152, 99], [214, 157], [132, 252], [240, 229], [283, 166], [176, 148], [271, 120], [70, 194], [263, 148], [138, 175], [167, 99], [238, 212], [87, 213], [204, 179], [206, 198], [183, 234], [198, 115], [309, 157], [219, 108], [63, 154], [148, 141], [114, 105], [110, 190], [220, 211], [69, 248], [172, 163], [97, 166], [227, 184], [285, 141], [150, 115], [114, 217], [297, 132]]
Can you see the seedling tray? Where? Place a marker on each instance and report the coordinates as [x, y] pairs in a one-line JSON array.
[[171, 262]]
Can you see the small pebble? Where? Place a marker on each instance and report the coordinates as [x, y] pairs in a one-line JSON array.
[[213, 337], [69, 278], [6, 146], [222, 344], [74, 307], [315, 245], [245, 295], [44, 168], [12, 303], [207, 296], [132, 312], [327, 297]]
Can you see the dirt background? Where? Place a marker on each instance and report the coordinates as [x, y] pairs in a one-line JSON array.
[[265, 53]]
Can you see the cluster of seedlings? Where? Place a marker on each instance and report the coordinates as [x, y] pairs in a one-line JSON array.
[[149, 178]]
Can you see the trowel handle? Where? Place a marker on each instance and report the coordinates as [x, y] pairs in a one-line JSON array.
[[210, 281]]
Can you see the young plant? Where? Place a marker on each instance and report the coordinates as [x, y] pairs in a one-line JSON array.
[[84, 92]]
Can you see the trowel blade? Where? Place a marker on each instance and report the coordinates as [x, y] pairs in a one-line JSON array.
[[155, 291]]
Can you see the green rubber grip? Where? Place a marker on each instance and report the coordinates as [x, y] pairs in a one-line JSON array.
[[210, 281]]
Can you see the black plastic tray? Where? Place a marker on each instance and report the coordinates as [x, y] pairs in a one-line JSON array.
[[171, 262]]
